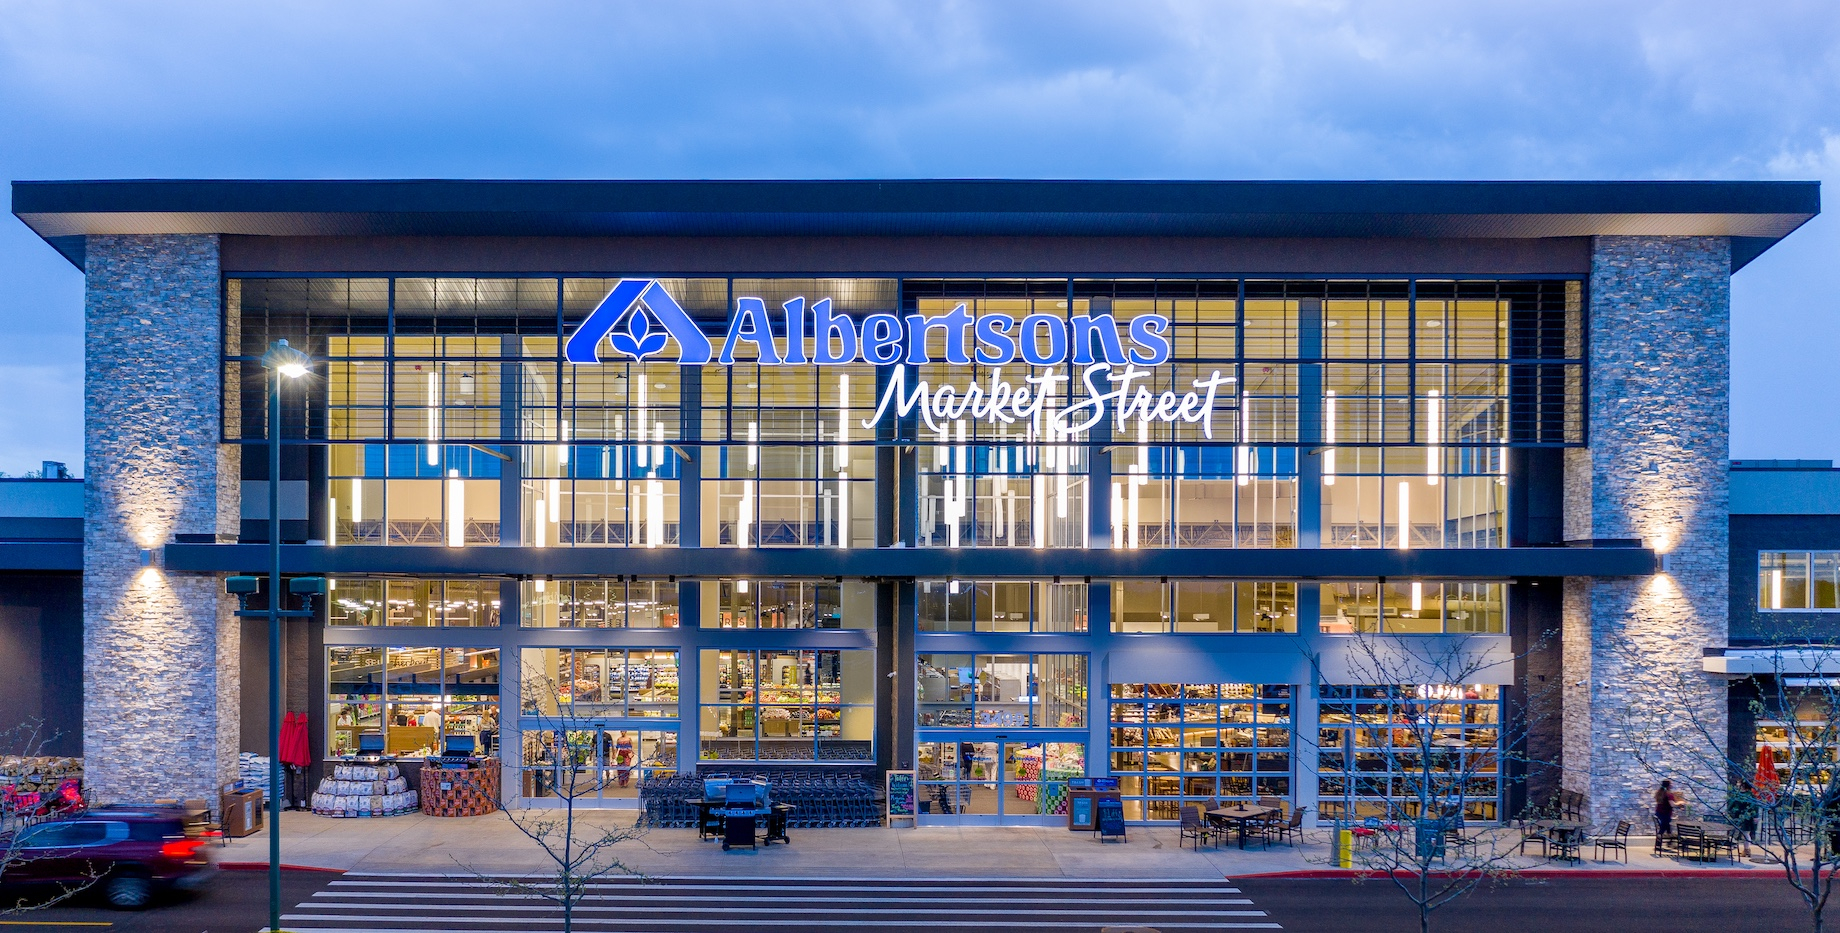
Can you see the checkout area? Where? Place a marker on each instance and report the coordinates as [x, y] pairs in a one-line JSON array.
[[740, 812]]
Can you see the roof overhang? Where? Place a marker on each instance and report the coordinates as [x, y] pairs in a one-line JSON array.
[[1774, 662], [1753, 214]]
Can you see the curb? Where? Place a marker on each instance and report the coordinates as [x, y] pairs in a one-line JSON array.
[[1323, 874], [263, 866]]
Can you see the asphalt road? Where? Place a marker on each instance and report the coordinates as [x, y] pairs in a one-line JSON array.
[[1625, 905], [234, 902], [237, 903]]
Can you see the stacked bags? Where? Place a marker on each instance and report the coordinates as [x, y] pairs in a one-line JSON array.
[[365, 790]]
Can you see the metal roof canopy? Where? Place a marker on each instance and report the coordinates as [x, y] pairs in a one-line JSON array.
[[1755, 214]]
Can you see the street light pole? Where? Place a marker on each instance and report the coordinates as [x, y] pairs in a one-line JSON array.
[[281, 360]]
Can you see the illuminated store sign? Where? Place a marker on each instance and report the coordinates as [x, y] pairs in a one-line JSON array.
[[639, 318]]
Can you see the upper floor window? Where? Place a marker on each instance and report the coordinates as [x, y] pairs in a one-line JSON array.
[[1798, 580]]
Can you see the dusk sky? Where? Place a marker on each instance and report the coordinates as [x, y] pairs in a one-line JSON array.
[[1186, 90]]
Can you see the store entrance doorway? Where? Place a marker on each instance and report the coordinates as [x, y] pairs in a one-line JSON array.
[[1003, 782], [597, 764]]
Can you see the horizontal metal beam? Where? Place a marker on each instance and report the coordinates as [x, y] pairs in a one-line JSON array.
[[44, 556], [1500, 563]]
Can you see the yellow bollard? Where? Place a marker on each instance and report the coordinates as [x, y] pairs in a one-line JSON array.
[[1344, 849]]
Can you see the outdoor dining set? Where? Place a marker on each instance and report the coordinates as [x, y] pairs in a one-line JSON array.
[[1265, 822]]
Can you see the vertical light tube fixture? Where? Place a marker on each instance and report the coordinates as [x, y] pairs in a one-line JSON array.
[[1245, 433], [843, 509], [434, 417], [640, 429], [1405, 514], [843, 422], [1776, 589], [1434, 431], [1418, 596], [1328, 467], [456, 509], [332, 520], [654, 517]]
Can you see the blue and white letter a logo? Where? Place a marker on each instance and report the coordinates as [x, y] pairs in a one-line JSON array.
[[638, 317]]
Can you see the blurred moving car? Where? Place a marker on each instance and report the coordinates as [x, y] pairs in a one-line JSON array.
[[130, 853]]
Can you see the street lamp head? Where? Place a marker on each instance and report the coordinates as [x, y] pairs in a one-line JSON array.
[[286, 360]]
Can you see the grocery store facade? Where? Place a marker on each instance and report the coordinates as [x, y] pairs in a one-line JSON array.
[[1207, 487]]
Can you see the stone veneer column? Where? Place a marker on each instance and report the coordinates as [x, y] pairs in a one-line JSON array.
[[160, 665], [1655, 469]]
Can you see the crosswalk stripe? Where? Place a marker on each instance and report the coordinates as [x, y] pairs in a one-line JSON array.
[[659, 885], [697, 898], [444, 903]]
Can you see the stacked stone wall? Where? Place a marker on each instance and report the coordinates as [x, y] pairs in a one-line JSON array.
[[1638, 704], [161, 673]]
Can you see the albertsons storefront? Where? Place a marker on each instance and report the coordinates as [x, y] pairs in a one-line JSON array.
[[1213, 488]]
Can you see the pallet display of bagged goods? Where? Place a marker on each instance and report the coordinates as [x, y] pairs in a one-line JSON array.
[[365, 791]]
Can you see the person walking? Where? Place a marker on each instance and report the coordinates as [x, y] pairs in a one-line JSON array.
[[1665, 800], [1741, 808]]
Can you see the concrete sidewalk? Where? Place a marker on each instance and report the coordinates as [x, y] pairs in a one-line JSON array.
[[490, 844]]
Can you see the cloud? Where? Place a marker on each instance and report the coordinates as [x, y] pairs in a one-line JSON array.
[[881, 88]]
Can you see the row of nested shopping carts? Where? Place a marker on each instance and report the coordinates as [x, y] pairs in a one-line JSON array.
[[819, 800]]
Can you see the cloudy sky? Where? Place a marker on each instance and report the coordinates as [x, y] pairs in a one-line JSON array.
[[860, 89]]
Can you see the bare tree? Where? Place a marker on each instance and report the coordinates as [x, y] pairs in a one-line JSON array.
[[23, 804], [1791, 804], [1413, 732], [581, 854]]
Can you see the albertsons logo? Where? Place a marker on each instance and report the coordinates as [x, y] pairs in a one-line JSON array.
[[638, 318]]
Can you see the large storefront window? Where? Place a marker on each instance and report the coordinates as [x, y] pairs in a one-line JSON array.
[[997, 779], [1003, 690], [1390, 751], [1413, 607], [426, 603], [1176, 744], [594, 762], [788, 705], [412, 697], [788, 604], [613, 603], [600, 683], [1001, 606], [1203, 606]]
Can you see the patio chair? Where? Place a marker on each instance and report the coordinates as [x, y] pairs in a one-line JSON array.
[[1195, 826], [1289, 830], [1692, 841], [1616, 842], [1726, 842], [1457, 835], [1530, 832]]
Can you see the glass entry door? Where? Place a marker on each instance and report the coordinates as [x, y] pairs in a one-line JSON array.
[[594, 762], [989, 782]]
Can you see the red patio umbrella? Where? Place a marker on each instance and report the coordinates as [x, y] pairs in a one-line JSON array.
[[294, 745], [1766, 782]]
